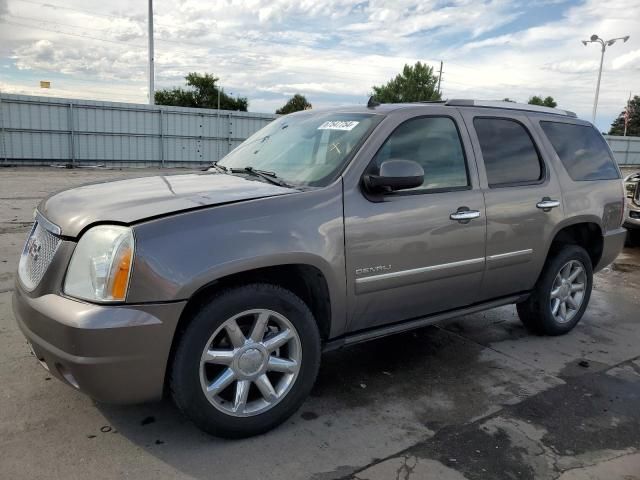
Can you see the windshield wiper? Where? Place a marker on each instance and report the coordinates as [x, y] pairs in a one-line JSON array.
[[270, 177], [220, 168]]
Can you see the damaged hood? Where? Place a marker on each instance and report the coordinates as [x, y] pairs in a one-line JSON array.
[[129, 201]]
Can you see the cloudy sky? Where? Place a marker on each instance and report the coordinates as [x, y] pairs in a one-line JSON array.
[[332, 51]]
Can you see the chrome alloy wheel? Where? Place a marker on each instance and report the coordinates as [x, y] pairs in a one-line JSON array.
[[250, 362], [567, 291]]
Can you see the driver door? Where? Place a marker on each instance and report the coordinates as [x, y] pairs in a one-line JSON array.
[[407, 255]]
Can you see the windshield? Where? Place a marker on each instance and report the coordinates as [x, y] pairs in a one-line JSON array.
[[303, 149]]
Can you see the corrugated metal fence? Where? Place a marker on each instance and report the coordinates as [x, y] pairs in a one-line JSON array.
[[625, 149], [44, 131]]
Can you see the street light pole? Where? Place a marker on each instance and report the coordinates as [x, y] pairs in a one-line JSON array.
[[151, 59], [604, 44], [595, 101]]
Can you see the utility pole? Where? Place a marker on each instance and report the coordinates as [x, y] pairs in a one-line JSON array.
[[4, 147], [151, 66], [440, 77], [627, 115], [219, 139]]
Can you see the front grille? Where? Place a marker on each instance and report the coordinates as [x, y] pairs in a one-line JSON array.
[[37, 255]]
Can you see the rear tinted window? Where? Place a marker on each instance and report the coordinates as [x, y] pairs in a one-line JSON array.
[[582, 150], [508, 152]]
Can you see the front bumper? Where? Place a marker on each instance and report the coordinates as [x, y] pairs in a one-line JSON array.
[[114, 354], [632, 215]]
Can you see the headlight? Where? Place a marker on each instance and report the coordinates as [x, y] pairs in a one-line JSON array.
[[101, 264]]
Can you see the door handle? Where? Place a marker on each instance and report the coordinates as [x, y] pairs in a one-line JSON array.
[[547, 204], [463, 216]]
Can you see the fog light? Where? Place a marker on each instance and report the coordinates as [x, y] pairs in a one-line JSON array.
[[634, 214]]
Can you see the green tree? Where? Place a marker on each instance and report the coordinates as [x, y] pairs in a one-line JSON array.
[[414, 84], [295, 104], [543, 102], [201, 92], [633, 127]]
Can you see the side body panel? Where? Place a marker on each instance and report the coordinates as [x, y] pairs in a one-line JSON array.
[[405, 256], [600, 202], [177, 256], [517, 231]]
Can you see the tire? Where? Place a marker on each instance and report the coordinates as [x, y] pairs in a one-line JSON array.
[[633, 238], [536, 313], [222, 413]]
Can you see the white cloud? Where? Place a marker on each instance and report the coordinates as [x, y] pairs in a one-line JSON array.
[[574, 66], [331, 50], [628, 60]]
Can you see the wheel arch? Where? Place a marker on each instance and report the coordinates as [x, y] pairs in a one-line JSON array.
[[306, 281], [585, 232]]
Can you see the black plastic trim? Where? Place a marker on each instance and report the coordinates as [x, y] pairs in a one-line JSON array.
[[411, 324]]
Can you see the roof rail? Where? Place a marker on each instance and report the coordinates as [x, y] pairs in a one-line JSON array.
[[458, 102]]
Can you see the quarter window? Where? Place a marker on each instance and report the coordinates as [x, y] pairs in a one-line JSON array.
[[509, 155], [582, 150], [435, 144]]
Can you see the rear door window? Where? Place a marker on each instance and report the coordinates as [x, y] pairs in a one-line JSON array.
[[510, 157], [582, 151]]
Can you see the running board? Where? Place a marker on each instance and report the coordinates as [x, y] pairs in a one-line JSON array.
[[384, 330]]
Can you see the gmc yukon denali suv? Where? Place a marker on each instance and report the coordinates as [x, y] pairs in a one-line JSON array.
[[326, 228]]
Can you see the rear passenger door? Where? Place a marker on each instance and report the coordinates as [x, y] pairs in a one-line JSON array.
[[522, 199]]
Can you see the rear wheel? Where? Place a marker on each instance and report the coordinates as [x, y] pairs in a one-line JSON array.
[[561, 294], [246, 361]]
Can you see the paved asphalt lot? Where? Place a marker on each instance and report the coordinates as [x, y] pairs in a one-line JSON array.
[[477, 398]]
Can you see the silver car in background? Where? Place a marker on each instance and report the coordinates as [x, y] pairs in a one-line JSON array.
[[632, 208]]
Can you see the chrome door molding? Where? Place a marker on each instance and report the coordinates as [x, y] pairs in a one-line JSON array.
[[499, 256], [417, 275], [509, 258], [433, 272]]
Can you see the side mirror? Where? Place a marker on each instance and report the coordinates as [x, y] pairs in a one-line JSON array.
[[395, 174]]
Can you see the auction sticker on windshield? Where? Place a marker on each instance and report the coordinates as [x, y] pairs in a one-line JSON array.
[[338, 125]]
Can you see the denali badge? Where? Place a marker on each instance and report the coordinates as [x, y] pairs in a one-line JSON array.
[[376, 269]]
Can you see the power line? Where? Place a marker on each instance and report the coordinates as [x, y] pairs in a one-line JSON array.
[[344, 76], [17, 24], [182, 42], [304, 70], [87, 12]]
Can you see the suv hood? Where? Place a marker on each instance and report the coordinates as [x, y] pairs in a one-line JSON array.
[[128, 201]]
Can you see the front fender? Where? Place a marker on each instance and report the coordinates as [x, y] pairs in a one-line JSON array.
[[178, 255]]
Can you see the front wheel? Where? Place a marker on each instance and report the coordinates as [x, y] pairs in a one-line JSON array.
[[246, 361], [561, 294]]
